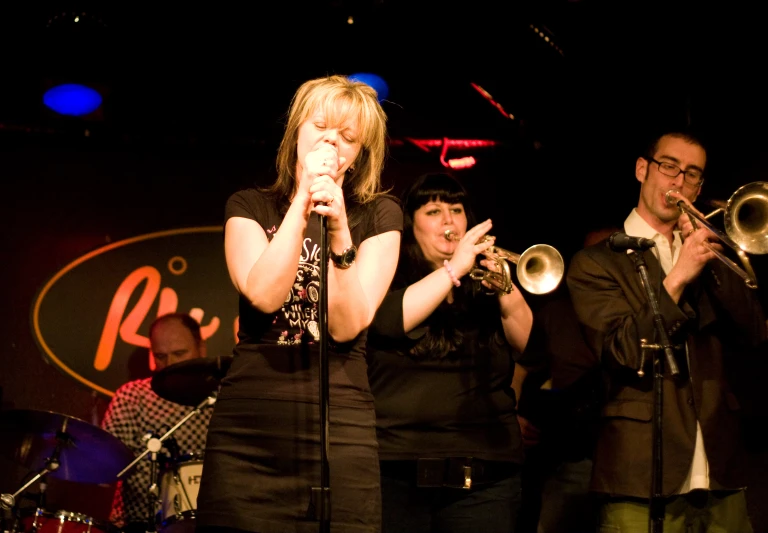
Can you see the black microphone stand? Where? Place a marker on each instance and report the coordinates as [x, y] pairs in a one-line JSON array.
[[154, 445], [320, 498], [8, 501], [657, 507]]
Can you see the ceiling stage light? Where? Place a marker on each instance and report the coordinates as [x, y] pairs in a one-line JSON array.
[[375, 81], [72, 99]]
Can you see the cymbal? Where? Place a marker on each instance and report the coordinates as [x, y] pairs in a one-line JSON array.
[[87, 453], [190, 382]]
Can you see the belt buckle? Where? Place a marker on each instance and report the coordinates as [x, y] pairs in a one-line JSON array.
[[459, 473], [448, 472]]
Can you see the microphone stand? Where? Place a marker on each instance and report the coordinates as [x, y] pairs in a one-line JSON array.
[[320, 497], [151, 445], [154, 445], [52, 463], [656, 507]]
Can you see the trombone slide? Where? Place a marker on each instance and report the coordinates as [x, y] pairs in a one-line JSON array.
[[741, 197]]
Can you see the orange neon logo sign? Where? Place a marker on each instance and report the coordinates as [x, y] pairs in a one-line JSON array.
[[91, 318]]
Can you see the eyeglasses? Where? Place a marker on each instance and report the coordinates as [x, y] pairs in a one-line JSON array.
[[691, 176]]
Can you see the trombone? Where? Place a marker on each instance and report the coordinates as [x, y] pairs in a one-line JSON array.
[[745, 217], [540, 268]]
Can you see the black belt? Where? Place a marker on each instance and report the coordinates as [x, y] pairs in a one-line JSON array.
[[451, 472]]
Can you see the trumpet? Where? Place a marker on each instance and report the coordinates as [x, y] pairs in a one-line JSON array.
[[745, 218], [540, 268]]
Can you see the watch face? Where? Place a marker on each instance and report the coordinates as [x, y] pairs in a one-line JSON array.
[[346, 258], [349, 256]]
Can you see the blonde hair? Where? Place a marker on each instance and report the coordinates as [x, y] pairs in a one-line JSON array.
[[340, 99]]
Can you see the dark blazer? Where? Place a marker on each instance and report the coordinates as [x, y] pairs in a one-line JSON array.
[[718, 318]]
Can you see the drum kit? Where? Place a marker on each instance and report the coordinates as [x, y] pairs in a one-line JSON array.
[[54, 445]]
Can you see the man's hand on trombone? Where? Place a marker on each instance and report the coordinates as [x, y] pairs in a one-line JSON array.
[[699, 247]]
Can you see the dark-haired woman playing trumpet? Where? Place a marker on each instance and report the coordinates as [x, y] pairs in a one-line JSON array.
[[441, 356]]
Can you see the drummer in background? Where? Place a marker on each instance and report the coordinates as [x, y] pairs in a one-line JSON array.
[[136, 412]]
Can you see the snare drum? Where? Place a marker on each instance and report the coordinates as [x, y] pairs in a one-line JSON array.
[[179, 485], [63, 522]]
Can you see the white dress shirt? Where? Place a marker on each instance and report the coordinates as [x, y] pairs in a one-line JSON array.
[[668, 254]]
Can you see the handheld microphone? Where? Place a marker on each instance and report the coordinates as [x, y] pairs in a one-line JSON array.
[[621, 242]]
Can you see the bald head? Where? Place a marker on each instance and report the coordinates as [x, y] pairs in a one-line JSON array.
[[175, 338]]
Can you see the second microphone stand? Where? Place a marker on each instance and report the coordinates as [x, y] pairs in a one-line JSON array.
[[657, 507], [154, 445]]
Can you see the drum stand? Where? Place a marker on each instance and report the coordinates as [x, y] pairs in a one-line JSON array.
[[180, 485], [10, 519], [154, 444]]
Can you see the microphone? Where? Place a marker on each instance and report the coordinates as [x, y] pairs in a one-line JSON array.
[[621, 242], [173, 447]]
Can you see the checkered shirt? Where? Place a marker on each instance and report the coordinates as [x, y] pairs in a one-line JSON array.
[[135, 411]]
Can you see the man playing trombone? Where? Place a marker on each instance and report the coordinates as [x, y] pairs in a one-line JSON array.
[[709, 315]]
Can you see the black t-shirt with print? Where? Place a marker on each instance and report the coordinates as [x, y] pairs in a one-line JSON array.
[[276, 356]]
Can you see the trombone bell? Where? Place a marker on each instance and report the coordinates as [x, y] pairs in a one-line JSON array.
[[745, 218]]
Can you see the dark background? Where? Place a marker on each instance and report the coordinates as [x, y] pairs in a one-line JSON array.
[[195, 99]]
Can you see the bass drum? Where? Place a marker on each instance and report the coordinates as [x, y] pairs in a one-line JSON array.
[[179, 485], [42, 521]]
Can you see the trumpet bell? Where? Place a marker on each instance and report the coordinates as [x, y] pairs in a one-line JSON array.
[[540, 269], [746, 217]]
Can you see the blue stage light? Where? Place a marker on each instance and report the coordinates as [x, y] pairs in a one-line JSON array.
[[375, 81], [72, 99]]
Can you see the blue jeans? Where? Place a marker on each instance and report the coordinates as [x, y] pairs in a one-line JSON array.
[[488, 508]]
